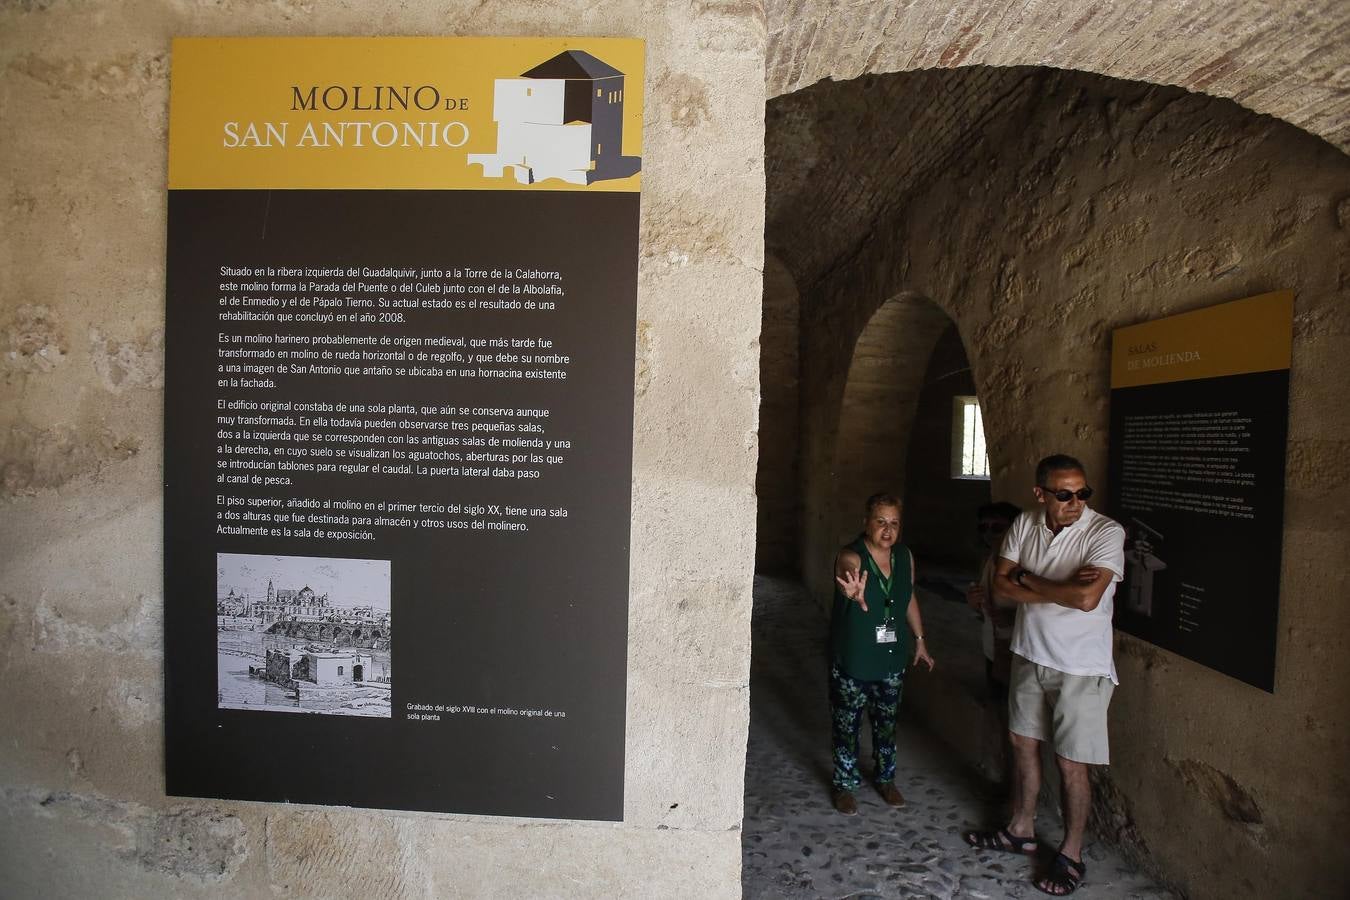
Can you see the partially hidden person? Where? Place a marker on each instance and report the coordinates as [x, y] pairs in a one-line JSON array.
[[997, 618], [876, 631]]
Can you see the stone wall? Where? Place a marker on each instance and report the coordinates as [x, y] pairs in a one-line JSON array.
[[1080, 204], [84, 99]]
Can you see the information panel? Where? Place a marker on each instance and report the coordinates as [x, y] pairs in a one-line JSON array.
[[1199, 419], [401, 304]]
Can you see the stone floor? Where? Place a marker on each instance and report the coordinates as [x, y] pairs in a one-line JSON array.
[[795, 845]]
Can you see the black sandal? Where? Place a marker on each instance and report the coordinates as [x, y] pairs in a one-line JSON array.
[[1002, 840], [1063, 878]]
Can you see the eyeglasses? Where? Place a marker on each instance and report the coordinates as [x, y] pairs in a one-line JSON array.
[[1064, 496]]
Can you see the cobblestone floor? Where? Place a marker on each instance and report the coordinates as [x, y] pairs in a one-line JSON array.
[[795, 845]]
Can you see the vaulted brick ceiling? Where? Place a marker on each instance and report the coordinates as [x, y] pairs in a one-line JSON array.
[[1288, 59], [842, 156], [844, 159]]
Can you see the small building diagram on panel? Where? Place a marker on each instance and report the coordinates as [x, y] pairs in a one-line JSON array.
[[562, 119]]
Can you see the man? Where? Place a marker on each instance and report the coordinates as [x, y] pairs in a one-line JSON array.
[[997, 618], [875, 629], [1060, 565]]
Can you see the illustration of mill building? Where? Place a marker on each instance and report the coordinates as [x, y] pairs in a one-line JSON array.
[[325, 668], [562, 119]]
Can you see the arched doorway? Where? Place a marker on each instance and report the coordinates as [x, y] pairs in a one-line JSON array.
[[881, 397], [1040, 209]]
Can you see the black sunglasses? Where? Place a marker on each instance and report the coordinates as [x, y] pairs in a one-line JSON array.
[[1063, 496]]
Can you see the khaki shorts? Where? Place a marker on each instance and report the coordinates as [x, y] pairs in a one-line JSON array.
[[1047, 704]]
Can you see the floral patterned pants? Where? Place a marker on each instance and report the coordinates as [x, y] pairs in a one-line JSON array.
[[848, 698]]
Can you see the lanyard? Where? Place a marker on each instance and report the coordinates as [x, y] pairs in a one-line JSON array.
[[882, 581]]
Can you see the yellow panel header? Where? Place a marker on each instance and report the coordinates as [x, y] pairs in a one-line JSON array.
[[1251, 335], [406, 113]]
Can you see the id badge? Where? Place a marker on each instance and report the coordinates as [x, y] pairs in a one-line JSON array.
[[885, 634]]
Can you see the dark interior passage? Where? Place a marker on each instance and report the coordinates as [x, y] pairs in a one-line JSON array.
[[1034, 211], [940, 507]]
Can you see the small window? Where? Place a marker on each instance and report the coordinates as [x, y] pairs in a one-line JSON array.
[[970, 457], [339, 670], [599, 91]]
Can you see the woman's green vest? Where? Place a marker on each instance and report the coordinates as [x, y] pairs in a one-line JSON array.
[[853, 633]]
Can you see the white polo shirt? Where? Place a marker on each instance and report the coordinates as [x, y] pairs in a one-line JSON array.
[[1069, 640]]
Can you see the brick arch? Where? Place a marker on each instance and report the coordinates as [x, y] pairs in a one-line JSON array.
[[881, 394], [1090, 204], [871, 411], [1285, 60]]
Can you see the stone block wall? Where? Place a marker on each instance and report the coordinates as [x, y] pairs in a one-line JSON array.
[[84, 99]]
